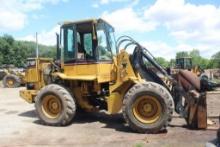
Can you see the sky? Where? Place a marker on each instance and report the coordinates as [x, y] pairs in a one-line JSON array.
[[163, 26]]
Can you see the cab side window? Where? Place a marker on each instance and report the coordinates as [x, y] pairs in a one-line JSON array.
[[69, 44], [104, 53]]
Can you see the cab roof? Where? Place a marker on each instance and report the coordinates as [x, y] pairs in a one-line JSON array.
[[94, 21]]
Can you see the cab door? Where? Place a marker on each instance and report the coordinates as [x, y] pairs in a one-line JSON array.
[[106, 52], [78, 56]]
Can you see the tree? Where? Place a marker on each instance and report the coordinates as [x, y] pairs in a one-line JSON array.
[[1, 59], [162, 61], [172, 63], [182, 54], [6, 50], [215, 61], [16, 52], [8, 38], [197, 59]]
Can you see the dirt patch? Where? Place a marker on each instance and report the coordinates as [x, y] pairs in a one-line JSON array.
[[21, 127]]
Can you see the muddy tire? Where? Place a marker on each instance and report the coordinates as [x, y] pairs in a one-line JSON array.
[[11, 81], [148, 107], [2, 75], [55, 106]]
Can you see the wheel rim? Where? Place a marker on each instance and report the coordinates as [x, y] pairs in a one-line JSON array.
[[10, 82], [147, 109], [51, 106]]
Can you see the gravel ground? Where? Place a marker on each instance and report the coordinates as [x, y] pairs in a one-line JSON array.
[[19, 126]]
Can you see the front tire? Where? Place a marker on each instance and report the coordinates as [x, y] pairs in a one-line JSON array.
[[55, 105], [148, 107]]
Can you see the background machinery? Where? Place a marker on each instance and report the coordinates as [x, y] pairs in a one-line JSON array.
[[186, 63], [91, 74], [12, 77]]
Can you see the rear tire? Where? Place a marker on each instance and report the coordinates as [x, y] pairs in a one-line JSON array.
[[148, 107], [11, 81], [55, 105]]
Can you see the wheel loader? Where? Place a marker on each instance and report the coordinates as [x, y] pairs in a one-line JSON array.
[[186, 63], [12, 77], [94, 72]]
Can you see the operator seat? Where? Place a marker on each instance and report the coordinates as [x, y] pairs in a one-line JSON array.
[[81, 51]]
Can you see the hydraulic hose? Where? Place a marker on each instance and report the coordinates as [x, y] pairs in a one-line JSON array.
[[140, 54], [143, 51]]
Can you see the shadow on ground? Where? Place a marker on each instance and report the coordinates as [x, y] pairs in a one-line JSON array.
[[115, 121], [30, 113]]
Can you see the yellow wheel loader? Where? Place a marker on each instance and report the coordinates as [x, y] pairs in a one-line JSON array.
[[90, 73], [12, 77]]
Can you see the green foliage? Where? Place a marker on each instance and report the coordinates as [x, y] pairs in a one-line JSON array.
[[182, 54], [162, 61], [16, 52], [140, 144], [172, 63], [215, 61], [197, 59]]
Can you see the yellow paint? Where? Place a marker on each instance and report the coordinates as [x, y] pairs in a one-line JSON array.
[[196, 70], [28, 95], [35, 74], [104, 72], [80, 70], [90, 72], [10, 83], [19, 74], [119, 74], [114, 103], [147, 109], [82, 101], [52, 106], [75, 77], [32, 75]]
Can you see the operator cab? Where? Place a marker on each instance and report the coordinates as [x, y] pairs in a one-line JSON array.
[[86, 50], [87, 41], [184, 63]]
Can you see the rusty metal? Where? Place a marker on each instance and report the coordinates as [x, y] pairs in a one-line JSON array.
[[197, 111], [202, 112], [189, 80], [195, 107]]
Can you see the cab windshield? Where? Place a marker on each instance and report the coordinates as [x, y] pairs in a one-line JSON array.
[[111, 38]]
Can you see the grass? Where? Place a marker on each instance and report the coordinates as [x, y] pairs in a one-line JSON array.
[[141, 144]]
